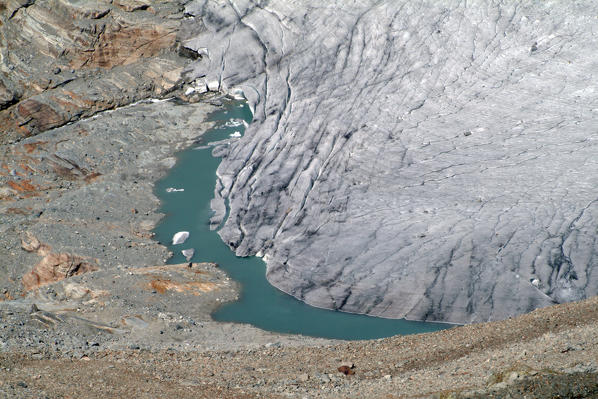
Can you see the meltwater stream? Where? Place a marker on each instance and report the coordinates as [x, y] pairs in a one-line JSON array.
[[260, 304]]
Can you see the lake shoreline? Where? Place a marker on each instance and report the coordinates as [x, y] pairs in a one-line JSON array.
[[187, 195], [136, 316], [110, 232]]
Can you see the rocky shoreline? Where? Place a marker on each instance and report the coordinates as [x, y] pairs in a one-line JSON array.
[[88, 307], [548, 353], [76, 199]]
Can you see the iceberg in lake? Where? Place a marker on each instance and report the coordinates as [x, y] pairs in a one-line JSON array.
[[180, 237], [188, 253], [235, 122]]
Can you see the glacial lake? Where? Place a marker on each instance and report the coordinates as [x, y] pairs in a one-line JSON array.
[[260, 304]]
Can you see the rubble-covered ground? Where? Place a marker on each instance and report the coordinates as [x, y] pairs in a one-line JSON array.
[[545, 354]]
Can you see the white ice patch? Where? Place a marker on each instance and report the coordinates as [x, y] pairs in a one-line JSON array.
[[188, 253], [214, 85], [174, 190], [235, 122], [236, 134], [237, 94], [203, 51], [180, 237]]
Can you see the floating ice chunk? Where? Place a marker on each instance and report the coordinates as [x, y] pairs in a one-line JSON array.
[[236, 134], [174, 190], [180, 237], [188, 253], [234, 122]]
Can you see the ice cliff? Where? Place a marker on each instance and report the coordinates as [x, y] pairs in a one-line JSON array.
[[435, 160]]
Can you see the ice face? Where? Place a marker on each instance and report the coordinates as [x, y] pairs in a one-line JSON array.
[[426, 159]]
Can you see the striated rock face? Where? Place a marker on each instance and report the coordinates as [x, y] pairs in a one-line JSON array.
[[61, 60], [429, 160]]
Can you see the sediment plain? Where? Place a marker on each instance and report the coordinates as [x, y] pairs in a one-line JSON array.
[[90, 309]]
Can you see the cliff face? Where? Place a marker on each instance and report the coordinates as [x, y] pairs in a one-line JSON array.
[[430, 160], [62, 60]]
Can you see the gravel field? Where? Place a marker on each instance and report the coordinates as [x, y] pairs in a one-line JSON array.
[[547, 353]]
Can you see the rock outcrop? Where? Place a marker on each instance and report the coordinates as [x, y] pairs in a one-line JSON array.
[[62, 60], [429, 160], [54, 266]]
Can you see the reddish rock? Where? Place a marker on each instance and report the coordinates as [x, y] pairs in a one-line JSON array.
[[53, 266], [346, 370], [124, 45], [22, 186], [30, 116], [60, 49]]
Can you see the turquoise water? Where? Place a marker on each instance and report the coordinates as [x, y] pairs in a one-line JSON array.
[[260, 304]]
